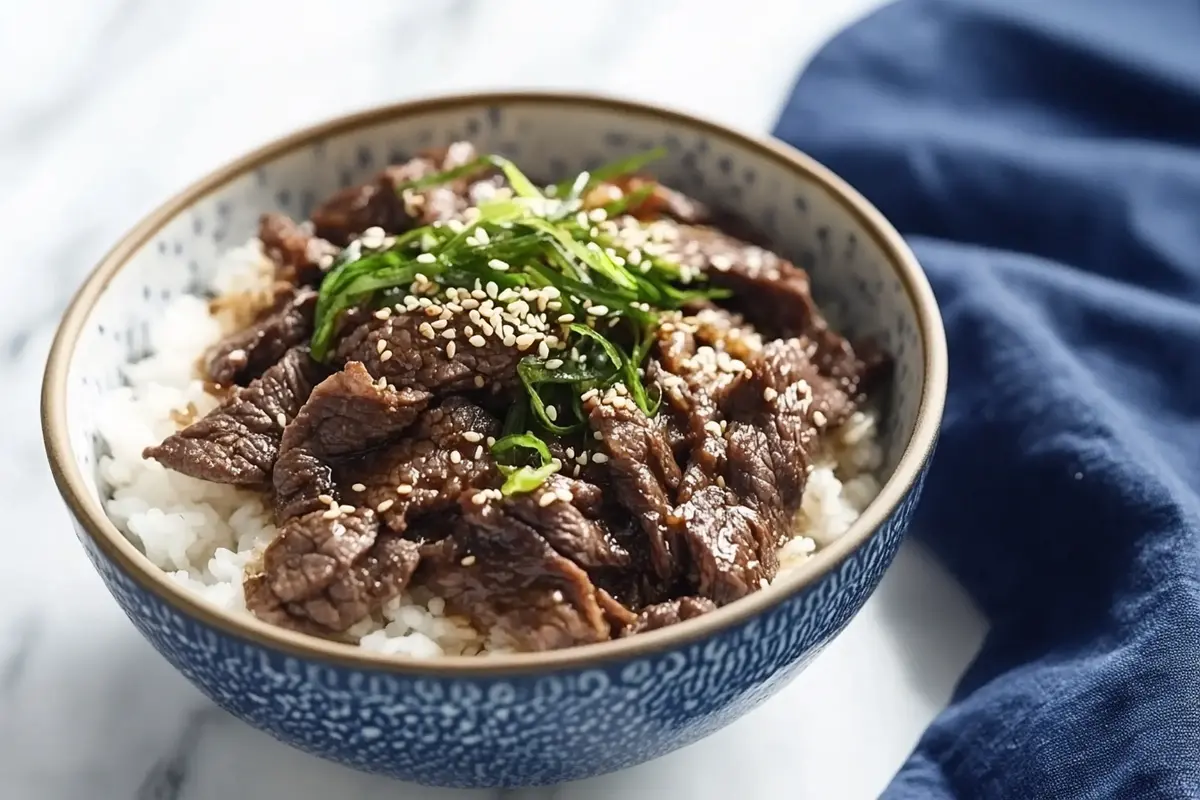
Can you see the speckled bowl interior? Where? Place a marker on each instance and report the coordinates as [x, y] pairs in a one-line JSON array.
[[863, 275]]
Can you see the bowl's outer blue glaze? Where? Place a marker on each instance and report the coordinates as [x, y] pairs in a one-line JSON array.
[[514, 729]]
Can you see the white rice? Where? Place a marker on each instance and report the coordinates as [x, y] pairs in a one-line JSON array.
[[204, 534]]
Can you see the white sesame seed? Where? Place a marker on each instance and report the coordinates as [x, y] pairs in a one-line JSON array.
[[566, 318], [426, 258], [455, 457], [281, 419], [597, 215], [554, 363], [721, 481], [469, 560], [543, 349], [345, 509], [386, 355], [491, 440], [332, 513], [479, 452], [557, 596], [769, 394], [449, 333], [404, 488], [492, 289], [439, 324], [498, 265], [385, 505], [819, 419], [482, 235], [564, 495], [358, 487], [426, 330], [383, 313], [451, 349], [546, 499], [479, 498], [326, 499], [472, 436], [598, 311], [599, 458], [551, 413], [477, 340], [598, 436], [479, 381], [525, 341], [582, 458]]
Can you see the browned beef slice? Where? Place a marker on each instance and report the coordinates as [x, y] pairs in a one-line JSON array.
[[380, 202], [409, 357], [501, 573], [731, 548], [643, 471], [441, 456], [346, 415], [238, 441], [661, 201], [296, 252], [331, 569], [660, 615], [246, 354], [572, 527]]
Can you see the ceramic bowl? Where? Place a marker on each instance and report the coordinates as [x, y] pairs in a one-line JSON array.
[[522, 719]]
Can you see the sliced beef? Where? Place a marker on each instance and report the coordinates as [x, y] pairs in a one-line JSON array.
[[346, 415], [731, 549], [643, 470], [659, 202], [300, 258], [331, 569], [571, 524], [382, 202], [444, 454], [500, 572], [238, 442], [243, 356], [660, 615], [408, 351]]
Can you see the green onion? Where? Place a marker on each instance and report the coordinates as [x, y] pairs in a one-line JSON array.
[[437, 179], [526, 479], [521, 186], [521, 441], [523, 478], [615, 169]]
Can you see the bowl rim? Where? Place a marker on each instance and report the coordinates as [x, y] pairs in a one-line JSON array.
[[246, 628]]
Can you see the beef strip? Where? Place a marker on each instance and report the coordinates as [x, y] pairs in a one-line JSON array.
[[346, 415], [408, 356], [660, 615], [573, 528], [300, 258], [245, 355], [661, 200], [381, 203], [238, 442], [731, 548], [500, 572], [444, 454], [330, 570], [643, 470]]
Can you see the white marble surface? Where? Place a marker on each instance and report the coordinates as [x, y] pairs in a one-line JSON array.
[[107, 107]]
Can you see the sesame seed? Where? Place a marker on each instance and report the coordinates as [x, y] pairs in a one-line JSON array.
[[385, 505], [477, 340], [468, 330], [819, 419], [455, 457], [769, 394], [721, 481], [404, 488], [543, 349], [492, 289], [469, 560], [426, 330], [589, 394], [498, 265], [426, 258], [525, 341], [383, 313], [557, 596], [551, 413], [546, 499], [582, 459], [479, 381], [509, 340], [598, 215], [358, 487], [491, 440], [326, 499], [598, 436], [472, 436], [599, 458], [380, 345], [281, 419], [386, 355], [345, 509], [469, 303], [482, 235], [332, 513], [478, 452], [598, 311], [564, 495], [554, 363], [449, 333], [566, 318], [479, 498], [451, 348]]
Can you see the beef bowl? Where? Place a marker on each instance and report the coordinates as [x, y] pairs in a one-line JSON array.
[[498, 440]]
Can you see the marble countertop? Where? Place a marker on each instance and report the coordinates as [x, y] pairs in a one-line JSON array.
[[108, 107]]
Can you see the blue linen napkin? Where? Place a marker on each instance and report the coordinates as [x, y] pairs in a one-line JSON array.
[[1043, 158]]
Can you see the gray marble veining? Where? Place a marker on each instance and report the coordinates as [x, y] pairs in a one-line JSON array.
[[109, 106]]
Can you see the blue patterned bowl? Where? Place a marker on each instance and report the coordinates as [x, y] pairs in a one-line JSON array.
[[523, 719]]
